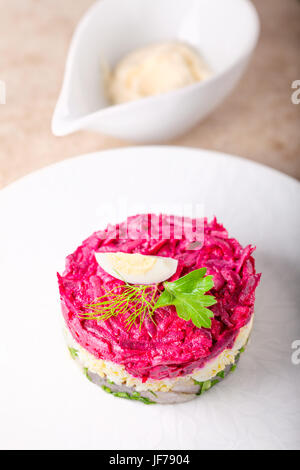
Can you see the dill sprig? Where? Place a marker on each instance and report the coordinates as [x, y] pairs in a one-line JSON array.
[[187, 294], [137, 300]]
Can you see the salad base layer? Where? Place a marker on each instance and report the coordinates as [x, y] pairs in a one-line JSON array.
[[115, 380], [148, 397]]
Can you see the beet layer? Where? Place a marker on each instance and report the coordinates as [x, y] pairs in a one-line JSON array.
[[171, 347]]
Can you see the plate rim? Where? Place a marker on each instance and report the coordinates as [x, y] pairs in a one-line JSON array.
[[140, 148]]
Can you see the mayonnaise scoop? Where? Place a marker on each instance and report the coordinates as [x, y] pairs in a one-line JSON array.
[[155, 69]]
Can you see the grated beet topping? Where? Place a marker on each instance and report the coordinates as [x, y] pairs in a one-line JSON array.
[[171, 347]]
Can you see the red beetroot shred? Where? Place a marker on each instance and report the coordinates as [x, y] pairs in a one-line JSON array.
[[171, 347]]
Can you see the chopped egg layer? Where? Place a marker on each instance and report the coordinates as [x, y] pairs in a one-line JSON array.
[[117, 373]]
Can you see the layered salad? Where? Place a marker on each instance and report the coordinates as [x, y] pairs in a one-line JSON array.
[[156, 313]]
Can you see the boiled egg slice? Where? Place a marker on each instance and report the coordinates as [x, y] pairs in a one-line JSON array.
[[135, 268]]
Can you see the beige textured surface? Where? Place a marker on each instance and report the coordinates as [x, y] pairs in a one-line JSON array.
[[258, 121]]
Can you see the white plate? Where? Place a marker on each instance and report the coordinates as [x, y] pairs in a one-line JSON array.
[[45, 402]]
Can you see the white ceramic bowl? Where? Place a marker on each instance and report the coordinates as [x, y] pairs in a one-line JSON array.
[[225, 33]]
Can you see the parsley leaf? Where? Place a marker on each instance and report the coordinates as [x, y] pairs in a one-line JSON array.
[[188, 295]]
